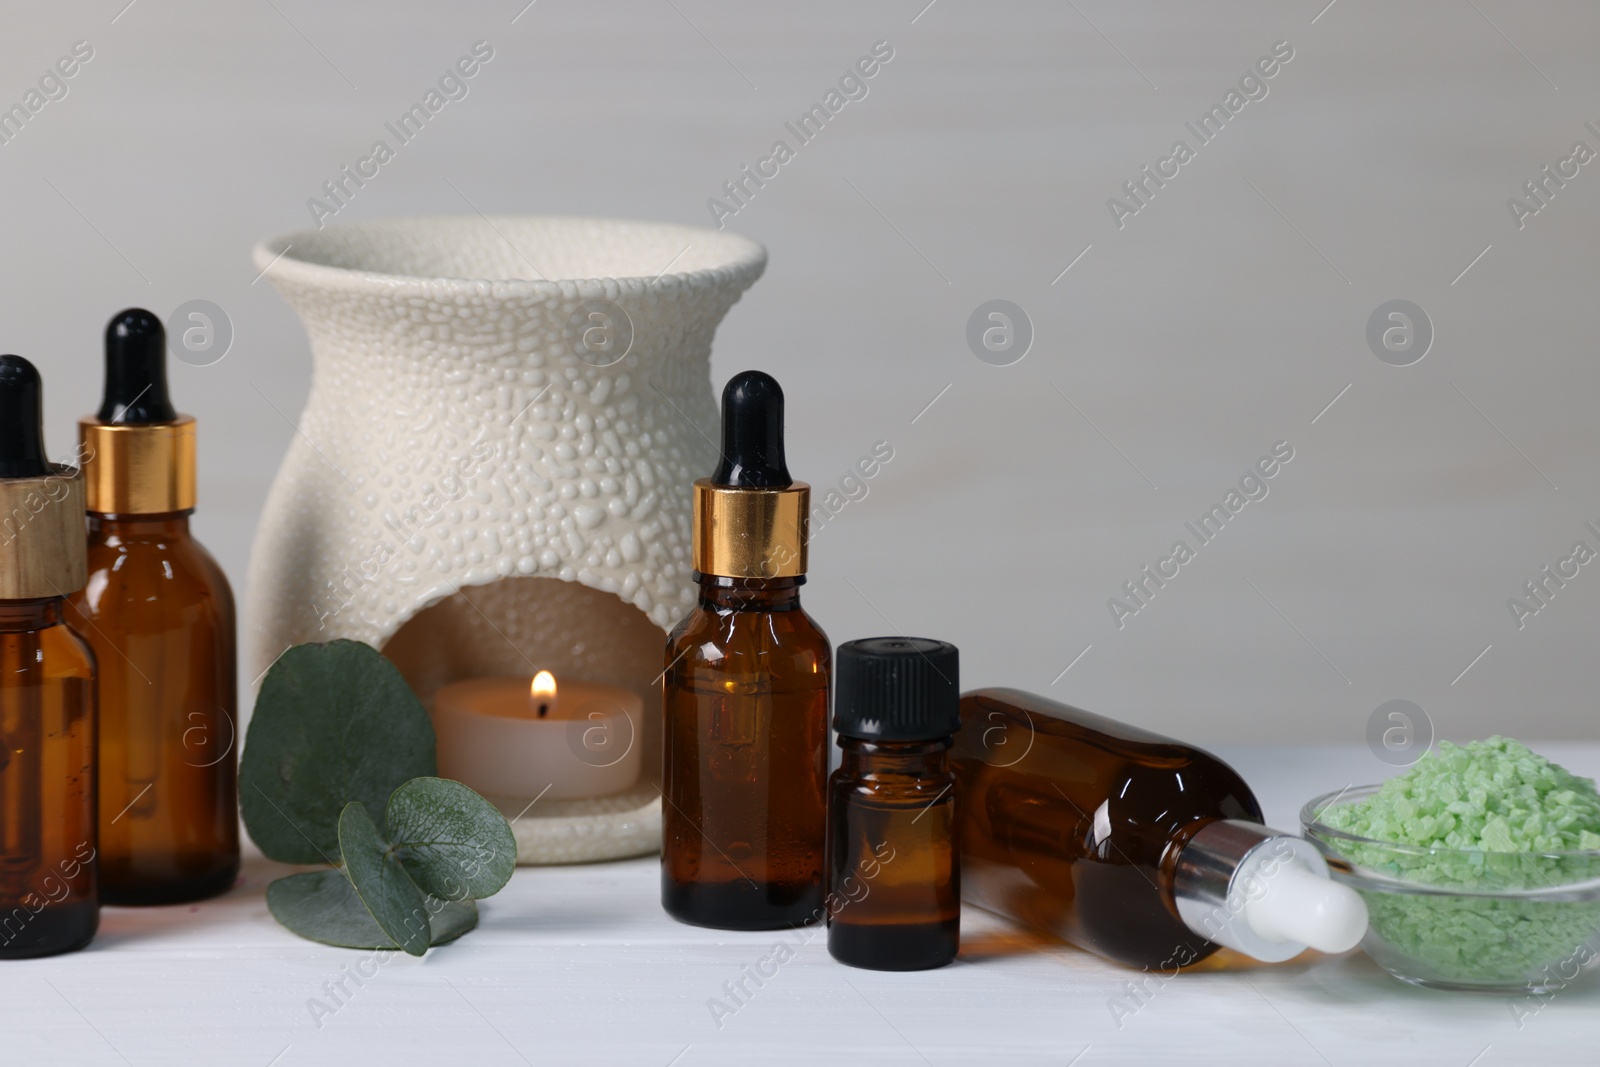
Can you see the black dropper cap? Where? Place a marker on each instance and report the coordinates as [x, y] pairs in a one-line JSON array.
[[897, 689], [136, 370], [21, 420], [752, 433]]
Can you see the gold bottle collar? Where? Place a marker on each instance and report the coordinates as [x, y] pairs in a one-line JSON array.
[[42, 543], [750, 533], [138, 468]]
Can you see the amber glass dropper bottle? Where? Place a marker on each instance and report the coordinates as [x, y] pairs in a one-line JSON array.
[[159, 613], [49, 902], [746, 693]]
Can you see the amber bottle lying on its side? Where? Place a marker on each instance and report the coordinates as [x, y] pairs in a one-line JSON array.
[[159, 614], [49, 902], [1139, 848]]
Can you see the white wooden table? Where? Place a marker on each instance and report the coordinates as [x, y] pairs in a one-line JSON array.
[[579, 965]]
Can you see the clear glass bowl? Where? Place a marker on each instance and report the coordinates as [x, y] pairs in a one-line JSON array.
[[1504, 922]]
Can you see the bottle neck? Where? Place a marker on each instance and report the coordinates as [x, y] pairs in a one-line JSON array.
[[138, 527], [860, 758], [20, 616], [718, 593]]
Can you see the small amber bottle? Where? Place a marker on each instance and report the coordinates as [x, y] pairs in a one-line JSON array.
[[49, 900], [894, 885], [1142, 849], [745, 740], [159, 613]]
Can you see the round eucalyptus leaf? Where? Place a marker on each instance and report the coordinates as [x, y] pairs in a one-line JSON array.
[[381, 882], [453, 843], [323, 906], [334, 723]]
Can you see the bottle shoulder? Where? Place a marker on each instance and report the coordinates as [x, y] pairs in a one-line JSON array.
[[722, 627], [165, 572], [923, 789], [782, 644], [65, 653]]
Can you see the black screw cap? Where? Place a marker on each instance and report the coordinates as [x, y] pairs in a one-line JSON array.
[[752, 433], [21, 420], [897, 689], [136, 370]]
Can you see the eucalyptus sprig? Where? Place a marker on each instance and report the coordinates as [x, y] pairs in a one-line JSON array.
[[339, 768]]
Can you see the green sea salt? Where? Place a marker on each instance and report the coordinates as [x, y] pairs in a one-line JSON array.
[[1488, 817]]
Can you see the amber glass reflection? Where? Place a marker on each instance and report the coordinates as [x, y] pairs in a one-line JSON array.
[[48, 901], [745, 758], [159, 614], [1072, 823], [894, 891]]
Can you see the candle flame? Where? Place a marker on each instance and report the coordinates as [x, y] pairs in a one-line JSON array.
[[543, 687]]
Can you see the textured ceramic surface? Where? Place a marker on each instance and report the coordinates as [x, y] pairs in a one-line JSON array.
[[582, 831], [493, 400]]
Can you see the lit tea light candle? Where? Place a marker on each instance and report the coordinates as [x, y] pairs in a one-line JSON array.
[[512, 737]]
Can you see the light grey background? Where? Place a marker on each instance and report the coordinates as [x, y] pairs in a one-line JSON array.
[[1222, 318]]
